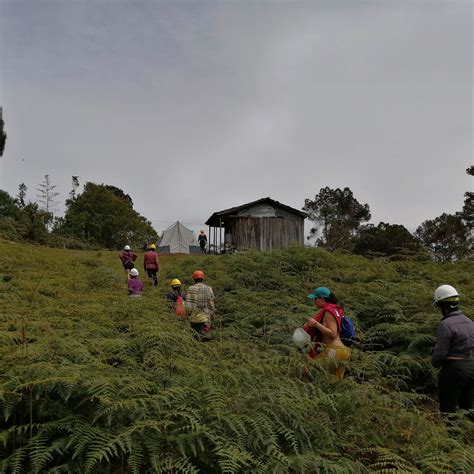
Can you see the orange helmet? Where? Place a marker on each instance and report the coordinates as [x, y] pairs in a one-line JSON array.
[[198, 274]]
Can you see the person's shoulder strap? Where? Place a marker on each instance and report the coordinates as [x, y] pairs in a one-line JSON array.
[[335, 310]]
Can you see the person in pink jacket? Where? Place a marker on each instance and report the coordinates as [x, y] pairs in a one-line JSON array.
[[135, 285], [151, 264]]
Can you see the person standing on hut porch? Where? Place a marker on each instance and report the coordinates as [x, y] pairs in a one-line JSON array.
[[202, 239]]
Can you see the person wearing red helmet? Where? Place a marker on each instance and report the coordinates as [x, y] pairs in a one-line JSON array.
[[200, 306]]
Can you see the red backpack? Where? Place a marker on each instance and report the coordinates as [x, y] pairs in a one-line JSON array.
[[179, 308]]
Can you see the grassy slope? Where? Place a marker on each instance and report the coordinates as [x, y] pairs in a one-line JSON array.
[[94, 381]]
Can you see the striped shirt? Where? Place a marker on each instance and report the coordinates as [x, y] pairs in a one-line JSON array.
[[200, 302]]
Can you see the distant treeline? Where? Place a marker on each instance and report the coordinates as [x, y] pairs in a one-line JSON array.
[[103, 216], [339, 218]]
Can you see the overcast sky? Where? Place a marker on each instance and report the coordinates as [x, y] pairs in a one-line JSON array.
[[193, 107]]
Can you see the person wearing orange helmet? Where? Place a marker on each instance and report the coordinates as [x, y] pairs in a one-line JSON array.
[[200, 306]]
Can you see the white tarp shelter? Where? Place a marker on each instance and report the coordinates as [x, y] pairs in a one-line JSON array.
[[178, 239]]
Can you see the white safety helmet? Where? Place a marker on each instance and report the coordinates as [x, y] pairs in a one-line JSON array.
[[445, 293], [127, 247], [301, 338], [134, 272]]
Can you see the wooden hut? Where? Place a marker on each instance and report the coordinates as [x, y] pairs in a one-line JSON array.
[[263, 225]]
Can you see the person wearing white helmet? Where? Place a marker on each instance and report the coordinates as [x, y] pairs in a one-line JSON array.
[[128, 258], [454, 353], [135, 285]]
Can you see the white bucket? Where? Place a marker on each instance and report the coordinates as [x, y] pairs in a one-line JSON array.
[[301, 338]]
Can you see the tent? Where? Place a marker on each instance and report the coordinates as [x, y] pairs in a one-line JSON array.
[[178, 239]]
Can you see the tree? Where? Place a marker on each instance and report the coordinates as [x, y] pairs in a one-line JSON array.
[[8, 206], [21, 194], [9, 215], [120, 194], [3, 135], [385, 239], [447, 237], [467, 212], [74, 187], [27, 222], [47, 195], [102, 215], [34, 223], [337, 215]]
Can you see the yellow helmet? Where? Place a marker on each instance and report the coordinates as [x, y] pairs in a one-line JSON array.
[[175, 282], [152, 246]]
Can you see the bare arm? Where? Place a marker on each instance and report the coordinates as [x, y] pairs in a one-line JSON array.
[[329, 325]]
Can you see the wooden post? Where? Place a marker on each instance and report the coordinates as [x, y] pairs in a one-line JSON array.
[[220, 233], [209, 241]]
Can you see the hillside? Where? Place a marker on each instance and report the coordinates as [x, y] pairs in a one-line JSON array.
[[92, 381]]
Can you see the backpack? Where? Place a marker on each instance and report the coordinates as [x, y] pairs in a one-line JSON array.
[[179, 308], [348, 332]]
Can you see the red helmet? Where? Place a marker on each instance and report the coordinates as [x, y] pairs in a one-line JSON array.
[[198, 274]]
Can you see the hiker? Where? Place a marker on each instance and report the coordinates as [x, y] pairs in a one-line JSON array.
[[176, 291], [128, 258], [176, 298], [151, 264], [453, 353], [228, 243], [200, 306], [135, 285], [202, 239], [325, 328]]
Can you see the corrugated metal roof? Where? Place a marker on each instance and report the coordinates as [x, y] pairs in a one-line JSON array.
[[233, 210]]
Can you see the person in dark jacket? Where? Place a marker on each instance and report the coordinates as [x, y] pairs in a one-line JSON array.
[[202, 239], [454, 353], [176, 290], [127, 257]]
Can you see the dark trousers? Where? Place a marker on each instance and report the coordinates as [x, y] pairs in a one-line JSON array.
[[456, 385], [152, 274], [203, 331]]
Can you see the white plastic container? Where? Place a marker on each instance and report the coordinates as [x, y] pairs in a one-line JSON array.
[[301, 338]]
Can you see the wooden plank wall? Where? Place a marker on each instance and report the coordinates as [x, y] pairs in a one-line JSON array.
[[265, 233]]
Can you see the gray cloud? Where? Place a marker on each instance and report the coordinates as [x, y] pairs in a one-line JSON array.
[[196, 107]]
